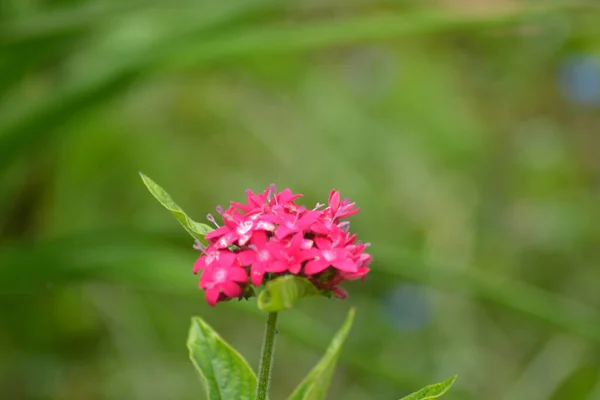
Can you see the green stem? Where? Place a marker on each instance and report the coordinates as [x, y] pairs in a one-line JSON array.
[[266, 357]]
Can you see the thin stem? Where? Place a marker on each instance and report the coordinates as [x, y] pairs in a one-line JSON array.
[[266, 357]]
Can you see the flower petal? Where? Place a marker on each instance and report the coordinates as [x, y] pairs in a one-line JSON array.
[[315, 266], [345, 264], [256, 276], [277, 267], [259, 239], [246, 257], [334, 200], [200, 264], [212, 295], [323, 244], [339, 292], [295, 268], [231, 289], [350, 276], [282, 231], [226, 240], [217, 233], [237, 274], [226, 259], [308, 219], [206, 278]]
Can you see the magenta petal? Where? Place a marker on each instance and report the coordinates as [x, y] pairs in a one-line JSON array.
[[297, 240], [212, 295], [217, 233], [226, 259], [334, 200], [315, 266], [319, 228], [295, 268], [206, 278], [231, 289], [349, 213], [285, 195], [323, 244], [246, 257], [283, 231], [350, 276], [277, 267], [237, 274], [200, 264], [259, 238], [240, 206], [226, 240], [256, 276], [345, 265], [309, 218]]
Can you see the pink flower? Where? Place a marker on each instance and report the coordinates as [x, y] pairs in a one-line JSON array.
[[270, 236], [295, 253], [291, 223], [284, 202], [239, 229], [255, 201], [262, 257], [326, 254], [216, 257], [219, 278], [340, 209]]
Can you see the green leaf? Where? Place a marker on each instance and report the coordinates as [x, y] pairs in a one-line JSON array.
[[196, 229], [316, 383], [224, 372], [284, 292], [432, 391]]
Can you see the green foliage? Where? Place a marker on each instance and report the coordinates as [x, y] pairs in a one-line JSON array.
[[224, 372], [284, 292], [316, 383], [195, 229], [432, 391]]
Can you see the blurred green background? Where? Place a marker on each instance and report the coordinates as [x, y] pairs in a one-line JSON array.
[[467, 131]]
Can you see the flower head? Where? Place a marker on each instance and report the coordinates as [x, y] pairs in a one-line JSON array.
[[270, 236]]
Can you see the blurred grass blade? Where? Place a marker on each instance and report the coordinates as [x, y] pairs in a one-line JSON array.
[[284, 292], [224, 372], [195, 229], [318, 34], [39, 122], [93, 15], [67, 20], [316, 383], [432, 391]]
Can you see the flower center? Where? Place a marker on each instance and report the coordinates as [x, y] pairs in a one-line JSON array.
[[220, 275], [263, 255]]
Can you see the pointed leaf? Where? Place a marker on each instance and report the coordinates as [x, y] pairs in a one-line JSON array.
[[196, 229], [315, 385], [432, 391], [284, 292], [224, 372]]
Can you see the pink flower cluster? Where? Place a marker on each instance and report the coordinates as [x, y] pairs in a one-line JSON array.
[[270, 236]]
